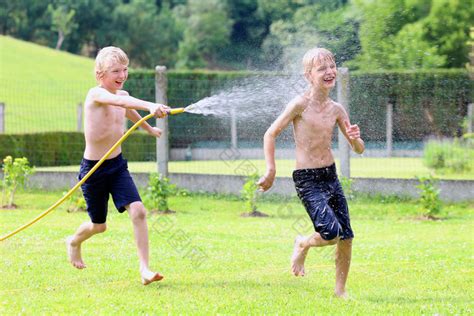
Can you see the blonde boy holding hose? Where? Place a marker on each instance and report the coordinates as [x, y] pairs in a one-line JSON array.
[[314, 116], [106, 107]]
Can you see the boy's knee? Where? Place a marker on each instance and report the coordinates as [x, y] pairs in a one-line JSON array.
[[99, 228], [137, 211], [333, 241]]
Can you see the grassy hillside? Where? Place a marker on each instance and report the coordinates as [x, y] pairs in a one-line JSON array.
[[40, 86]]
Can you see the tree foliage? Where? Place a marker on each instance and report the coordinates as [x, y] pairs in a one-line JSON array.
[[207, 29], [364, 34], [62, 22], [151, 37], [413, 34]]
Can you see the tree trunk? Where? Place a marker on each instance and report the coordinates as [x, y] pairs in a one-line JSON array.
[[60, 41]]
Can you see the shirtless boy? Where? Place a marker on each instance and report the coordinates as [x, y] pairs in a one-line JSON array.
[[106, 107], [314, 116]]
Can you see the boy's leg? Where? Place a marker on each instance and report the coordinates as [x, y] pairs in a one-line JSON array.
[[343, 262], [137, 213], [84, 232], [301, 247]]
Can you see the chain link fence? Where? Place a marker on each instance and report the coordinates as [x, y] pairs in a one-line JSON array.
[[398, 124]]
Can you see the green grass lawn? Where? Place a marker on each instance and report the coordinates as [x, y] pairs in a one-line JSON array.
[[400, 265], [400, 168], [41, 87]]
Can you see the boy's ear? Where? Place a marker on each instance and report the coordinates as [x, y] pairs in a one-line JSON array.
[[99, 75], [307, 76]]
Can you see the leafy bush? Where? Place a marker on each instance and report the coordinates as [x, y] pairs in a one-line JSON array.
[[76, 202], [346, 184], [15, 173], [429, 196], [249, 193], [455, 156], [158, 191]]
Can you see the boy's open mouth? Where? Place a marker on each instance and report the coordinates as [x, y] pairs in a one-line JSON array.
[[328, 80]]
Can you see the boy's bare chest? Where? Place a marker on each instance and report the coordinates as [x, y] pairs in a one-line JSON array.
[[319, 121], [109, 114]]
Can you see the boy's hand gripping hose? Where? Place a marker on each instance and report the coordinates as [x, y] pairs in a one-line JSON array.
[[97, 165]]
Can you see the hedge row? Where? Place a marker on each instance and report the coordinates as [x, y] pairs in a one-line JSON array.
[[67, 148], [425, 103]]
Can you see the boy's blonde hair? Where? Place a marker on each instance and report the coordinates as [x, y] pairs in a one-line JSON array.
[[316, 54], [108, 56]]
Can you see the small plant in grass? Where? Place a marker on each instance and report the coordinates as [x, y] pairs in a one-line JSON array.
[[76, 202], [158, 191], [454, 156], [346, 184], [429, 196], [15, 173], [249, 194]]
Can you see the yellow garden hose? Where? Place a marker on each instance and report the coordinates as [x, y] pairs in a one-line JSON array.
[[97, 165]]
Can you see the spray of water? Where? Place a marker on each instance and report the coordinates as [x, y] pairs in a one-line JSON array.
[[256, 97], [262, 95]]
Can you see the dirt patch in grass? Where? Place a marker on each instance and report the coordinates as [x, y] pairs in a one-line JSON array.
[[9, 207], [254, 214]]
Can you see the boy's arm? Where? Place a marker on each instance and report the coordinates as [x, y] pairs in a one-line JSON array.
[[291, 111], [134, 116], [102, 96], [351, 132]]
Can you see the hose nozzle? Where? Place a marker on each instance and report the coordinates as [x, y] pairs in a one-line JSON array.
[[175, 111]]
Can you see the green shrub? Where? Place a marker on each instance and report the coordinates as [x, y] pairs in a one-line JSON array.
[[158, 191], [346, 184], [76, 202], [15, 173], [429, 196], [453, 156], [249, 193]]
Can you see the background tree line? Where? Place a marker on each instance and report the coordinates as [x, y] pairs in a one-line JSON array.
[[251, 34]]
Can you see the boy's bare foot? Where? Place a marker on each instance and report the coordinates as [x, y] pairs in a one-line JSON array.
[[149, 277], [74, 254], [341, 294], [298, 257]]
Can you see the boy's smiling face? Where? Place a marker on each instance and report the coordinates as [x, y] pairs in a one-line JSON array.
[[114, 77], [323, 73]]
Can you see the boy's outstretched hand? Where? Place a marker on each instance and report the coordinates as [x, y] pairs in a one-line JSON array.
[[155, 131], [266, 181], [353, 131]]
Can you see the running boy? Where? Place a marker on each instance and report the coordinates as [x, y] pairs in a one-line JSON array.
[[106, 107], [314, 116]]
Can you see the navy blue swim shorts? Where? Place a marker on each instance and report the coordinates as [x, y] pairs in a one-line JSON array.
[[322, 196], [112, 177]]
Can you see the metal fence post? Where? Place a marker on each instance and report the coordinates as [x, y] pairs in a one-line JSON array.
[[2, 118], [343, 98], [470, 117], [79, 117], [162, 146], [389, 123], [233, 129]]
